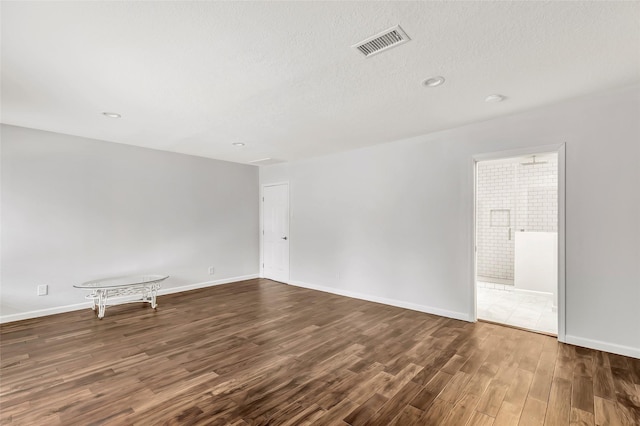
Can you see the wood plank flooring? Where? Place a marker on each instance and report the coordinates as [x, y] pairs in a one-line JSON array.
[[259, 352]]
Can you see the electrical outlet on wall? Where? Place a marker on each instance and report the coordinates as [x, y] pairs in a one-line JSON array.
[[211, 270], [43, 290]]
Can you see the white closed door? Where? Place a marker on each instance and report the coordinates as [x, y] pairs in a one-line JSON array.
[[275, 229]]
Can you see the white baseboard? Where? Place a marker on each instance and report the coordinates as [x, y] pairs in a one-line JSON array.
[[87, 305], [603, 346], [44, 312], [392, 302], [196, 286]]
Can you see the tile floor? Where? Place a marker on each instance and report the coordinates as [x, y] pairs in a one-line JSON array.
[[521, 309]]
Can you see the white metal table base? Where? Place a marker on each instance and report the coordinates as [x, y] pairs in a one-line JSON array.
[[147, 293]]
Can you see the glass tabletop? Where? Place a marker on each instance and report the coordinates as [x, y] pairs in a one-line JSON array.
[[126, 281]]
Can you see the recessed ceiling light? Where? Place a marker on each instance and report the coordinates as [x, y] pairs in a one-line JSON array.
[[433, 81], [111, 114], [238, 144], [494, 98]]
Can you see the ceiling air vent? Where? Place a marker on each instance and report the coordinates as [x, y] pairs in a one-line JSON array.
[[380, 42], [265, 161]]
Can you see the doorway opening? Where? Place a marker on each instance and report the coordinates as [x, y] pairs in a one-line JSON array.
[[516, 241]]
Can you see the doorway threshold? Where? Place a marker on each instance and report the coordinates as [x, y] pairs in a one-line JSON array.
[[545, 333]]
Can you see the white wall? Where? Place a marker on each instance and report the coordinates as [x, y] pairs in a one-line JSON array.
[[392, 222], [76, 209]]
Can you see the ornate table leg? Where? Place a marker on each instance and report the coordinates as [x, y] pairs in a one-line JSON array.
[[154, 293], [102, 302]]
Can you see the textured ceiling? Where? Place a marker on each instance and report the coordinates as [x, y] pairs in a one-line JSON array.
[[281, 77]]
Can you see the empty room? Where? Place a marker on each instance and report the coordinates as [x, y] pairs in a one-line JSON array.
[[320, 213]]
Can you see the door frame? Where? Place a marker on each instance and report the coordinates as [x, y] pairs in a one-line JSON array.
[[261, 233], [560, 150]]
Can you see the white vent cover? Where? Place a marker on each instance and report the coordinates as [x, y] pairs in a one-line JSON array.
[[394, 36], [265, 161]]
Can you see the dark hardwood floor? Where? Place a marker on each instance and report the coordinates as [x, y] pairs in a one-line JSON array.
[[260, 352]]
